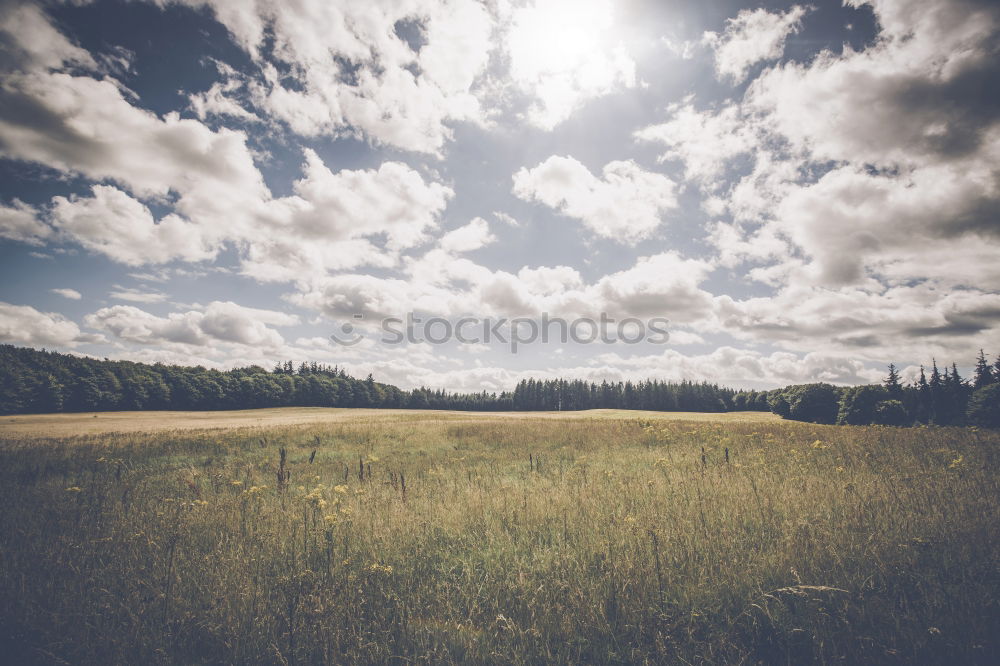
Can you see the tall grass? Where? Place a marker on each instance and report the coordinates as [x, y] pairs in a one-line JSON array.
[[416, 539]]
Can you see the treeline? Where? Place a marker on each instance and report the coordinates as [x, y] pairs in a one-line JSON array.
[[943, 398], [33, 381]]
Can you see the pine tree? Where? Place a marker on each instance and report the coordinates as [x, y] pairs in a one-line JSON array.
[[923, 398], [936, 384], [984, 375], [892, 381]]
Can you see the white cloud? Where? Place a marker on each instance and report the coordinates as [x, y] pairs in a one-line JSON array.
[[626, 203], [561, 52], [735, 246], [347, 70], [852, 222], [24, 325], [704, 141], [333, 220], [219, 101], [137, 295], [32, 39], [393, 200], [874, 323], [740, 367], [91, 129], [726, 365], [115, 224], [219, 322], [875, 164], [663, 285], [506, 219], [71, 294], [753, 36], [20, 222], [472, 236], [906, 101]]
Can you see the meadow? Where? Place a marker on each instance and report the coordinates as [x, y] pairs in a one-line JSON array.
[[374, 537]]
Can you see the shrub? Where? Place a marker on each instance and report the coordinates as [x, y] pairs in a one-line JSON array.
[[891, 413], [858, 404], [816, 403]]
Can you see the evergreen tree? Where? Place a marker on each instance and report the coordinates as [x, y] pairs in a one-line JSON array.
[[924, 402], [984, 374], [892, 382], [936, 382], [984, 407]]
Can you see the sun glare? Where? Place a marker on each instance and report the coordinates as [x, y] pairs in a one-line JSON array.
[[566, 51], [559, 36]]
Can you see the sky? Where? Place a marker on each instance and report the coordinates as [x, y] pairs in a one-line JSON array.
[[805, 192]]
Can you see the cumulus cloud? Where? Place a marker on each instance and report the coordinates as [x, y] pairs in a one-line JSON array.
[[905, 99], [742, 367], [218, 322], [24, 325], [29, 38], [84, 125], [20, 222], [704, 141], [79, 124], [851, 220], [472, 236], [873, 323], [393, 200], [345, 67], [114, 224], [878, 164], [753, 36], [58, 109], [662, 285], [625, 203], [332, 219]]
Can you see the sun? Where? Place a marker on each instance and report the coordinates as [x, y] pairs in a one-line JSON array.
[[559, 36], [566, 51]]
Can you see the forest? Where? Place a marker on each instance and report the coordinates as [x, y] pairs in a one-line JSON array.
[[39, 381]]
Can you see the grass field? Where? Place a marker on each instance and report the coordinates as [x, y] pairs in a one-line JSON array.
[[63, 425], [433, 538]]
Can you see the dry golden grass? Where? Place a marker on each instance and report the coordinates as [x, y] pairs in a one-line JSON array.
[[478, 538], [93, 423]]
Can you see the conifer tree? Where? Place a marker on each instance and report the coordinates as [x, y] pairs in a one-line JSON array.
[[923, 398], [892, 381], [984, 374]]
